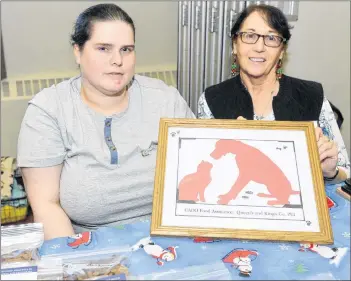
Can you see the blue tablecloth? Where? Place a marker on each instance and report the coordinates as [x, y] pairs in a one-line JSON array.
[[197, 259]]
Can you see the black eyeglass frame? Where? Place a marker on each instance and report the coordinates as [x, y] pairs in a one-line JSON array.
[[240, 34]]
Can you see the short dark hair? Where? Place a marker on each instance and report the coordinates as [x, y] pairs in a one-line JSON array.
[[101, 12], [274, 16]]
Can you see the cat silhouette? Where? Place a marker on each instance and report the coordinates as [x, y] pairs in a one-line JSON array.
[[192, 187]]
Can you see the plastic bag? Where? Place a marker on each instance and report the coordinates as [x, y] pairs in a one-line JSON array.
[[20, 243], [19, 271], [105, 264], [50, 269], [212, 271], [45, 269]]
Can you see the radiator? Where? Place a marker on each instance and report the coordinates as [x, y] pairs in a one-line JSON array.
[[22, 89]]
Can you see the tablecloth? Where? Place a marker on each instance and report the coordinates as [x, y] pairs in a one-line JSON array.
[[195, 258]]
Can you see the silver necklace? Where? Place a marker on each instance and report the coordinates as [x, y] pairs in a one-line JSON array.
[[258, 116], [261, 116]]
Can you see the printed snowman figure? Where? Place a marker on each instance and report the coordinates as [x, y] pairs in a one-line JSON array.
[[334, 254], [241, 259], [160, 254]]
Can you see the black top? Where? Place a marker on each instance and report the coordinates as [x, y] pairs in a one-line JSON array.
[[297, 100]]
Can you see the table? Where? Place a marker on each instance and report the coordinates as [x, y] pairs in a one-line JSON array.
[[255, 260]]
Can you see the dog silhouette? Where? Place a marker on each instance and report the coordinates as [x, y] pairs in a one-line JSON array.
[[193, 185], [253, 165]]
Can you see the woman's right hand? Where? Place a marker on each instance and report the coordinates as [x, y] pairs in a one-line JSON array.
[[241, 118], [43, 189]]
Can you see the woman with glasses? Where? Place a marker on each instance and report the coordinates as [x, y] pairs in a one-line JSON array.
[[259, 90]]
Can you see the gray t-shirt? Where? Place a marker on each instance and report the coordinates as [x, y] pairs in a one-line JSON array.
[[108, 161]]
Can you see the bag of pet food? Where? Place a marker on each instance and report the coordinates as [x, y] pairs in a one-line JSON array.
[[21, 243], [106, 264]]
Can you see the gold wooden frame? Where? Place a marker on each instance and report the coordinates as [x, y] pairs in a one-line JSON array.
[[325, 236]]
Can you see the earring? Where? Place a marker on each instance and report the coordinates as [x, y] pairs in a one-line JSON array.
[[234, 66], [279, 70]]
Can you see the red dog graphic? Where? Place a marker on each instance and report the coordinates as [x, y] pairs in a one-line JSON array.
[[254, 166], [194, 185], [83, 238], [330, 203]]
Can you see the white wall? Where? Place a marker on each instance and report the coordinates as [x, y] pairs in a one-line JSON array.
[[36, 34], [36, 40], [319, 50]]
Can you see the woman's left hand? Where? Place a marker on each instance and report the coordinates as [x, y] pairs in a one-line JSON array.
[[328, 153]]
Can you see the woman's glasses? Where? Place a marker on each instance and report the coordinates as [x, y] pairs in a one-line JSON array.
[[269, 40]]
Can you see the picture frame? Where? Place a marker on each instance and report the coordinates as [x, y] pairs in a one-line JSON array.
[[239, 179]]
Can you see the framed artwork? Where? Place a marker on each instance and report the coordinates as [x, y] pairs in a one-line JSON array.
[[240, 179]]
